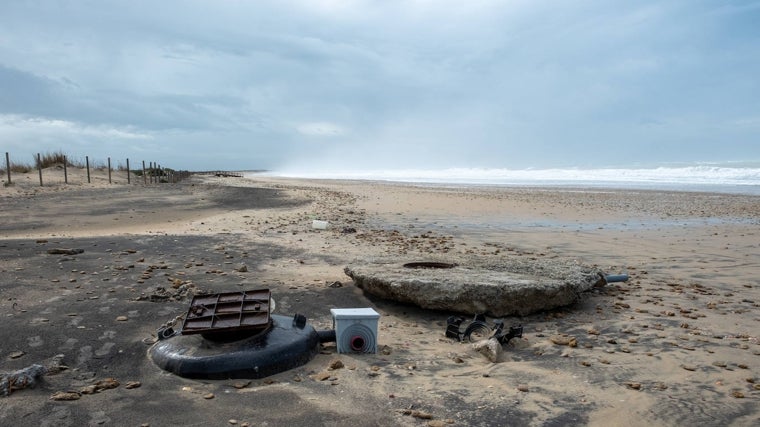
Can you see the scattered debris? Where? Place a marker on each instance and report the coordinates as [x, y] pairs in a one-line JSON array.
[[98, 386], [480, 330], [63, 251], [21, 379]]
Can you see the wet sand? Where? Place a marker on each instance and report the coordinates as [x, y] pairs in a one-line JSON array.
[[676, 344]]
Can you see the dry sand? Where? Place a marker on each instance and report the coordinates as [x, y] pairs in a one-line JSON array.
[[677, 344]]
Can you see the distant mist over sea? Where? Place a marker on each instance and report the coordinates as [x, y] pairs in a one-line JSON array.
[[731, 177]]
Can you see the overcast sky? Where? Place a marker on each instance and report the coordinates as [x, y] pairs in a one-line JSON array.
[[382, 84]]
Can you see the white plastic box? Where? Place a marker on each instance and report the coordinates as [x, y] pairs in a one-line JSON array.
[[355, 329]]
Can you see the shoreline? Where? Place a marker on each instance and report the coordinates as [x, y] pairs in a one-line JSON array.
[[674, 344]]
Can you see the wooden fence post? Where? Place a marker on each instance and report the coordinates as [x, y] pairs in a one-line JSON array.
[[39, 167], [65, 171], [145, 178], [129, 180], [109, 170], [87, 162], [8, 166]]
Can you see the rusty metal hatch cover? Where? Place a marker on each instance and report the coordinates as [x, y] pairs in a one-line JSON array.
[[228, 313]]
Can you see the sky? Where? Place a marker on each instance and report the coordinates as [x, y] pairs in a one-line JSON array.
[[384, 84]]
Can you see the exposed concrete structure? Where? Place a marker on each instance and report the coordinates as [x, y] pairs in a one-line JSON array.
[[515, 287]]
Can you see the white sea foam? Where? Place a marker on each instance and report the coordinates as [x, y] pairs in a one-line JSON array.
[[695, 178]]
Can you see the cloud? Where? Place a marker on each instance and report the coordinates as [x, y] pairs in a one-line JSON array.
[[478, 82], [320, 129], [19, 133]]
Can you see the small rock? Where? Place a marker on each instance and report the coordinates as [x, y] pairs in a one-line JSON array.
[[122, 319], [232, 421], [336, 364], [564, 340], [208, 396], [737, 394], [490, 348], [242, 269], [132, 384], [321, 376], [422, 415], [720, 364], [241, 384], [106, 384], [523, 388], [689, 367], [16, 354], [90, 389], [633, 386], [65, 395]]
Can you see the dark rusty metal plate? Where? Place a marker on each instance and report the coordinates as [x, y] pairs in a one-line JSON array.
[[228, 312]]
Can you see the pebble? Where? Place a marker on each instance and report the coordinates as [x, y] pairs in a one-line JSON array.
[[564, 340], [689, 367], [122, 319], [132, 384], [523, 387], [321, 376], [336, 364], [65, 395], [208, 396], [16, 354]]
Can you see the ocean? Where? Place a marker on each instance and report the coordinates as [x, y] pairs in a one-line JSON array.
[[738, 178]]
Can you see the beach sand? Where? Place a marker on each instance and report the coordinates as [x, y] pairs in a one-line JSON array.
[[676, 344]]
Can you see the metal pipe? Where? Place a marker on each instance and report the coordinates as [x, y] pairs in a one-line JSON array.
[[612, 278], [327, 336]]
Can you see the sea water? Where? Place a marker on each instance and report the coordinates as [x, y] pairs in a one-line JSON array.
[[739, 178]]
